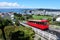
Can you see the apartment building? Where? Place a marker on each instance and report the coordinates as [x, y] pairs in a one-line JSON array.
[[9, 15]]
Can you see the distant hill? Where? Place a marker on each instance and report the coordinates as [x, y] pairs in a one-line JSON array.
[[21, 10], [49, 9], [14, 10]]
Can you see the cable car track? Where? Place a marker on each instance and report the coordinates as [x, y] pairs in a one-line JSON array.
[[51, 31]]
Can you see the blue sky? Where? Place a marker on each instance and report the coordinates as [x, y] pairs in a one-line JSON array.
[[55, 4]]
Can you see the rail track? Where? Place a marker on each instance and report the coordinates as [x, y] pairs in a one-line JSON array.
[[51, 34]]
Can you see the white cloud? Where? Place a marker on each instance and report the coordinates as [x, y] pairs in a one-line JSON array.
[[15, 5], [10, 5]]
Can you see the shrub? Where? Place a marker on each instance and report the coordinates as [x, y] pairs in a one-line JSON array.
[[0, 34], [55, 23], [18, 33], [39, 39], [17, 23], [3, 23], [8, 30], [49, 19]]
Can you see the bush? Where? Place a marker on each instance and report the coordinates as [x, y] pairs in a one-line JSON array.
[[17, 23], [22, 33], [39, 39], [49, 19], [55, 23], [18, 33], [1, 34], [8, 30], [54, 19]]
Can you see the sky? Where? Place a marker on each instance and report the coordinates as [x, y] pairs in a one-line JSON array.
[[53, 4]]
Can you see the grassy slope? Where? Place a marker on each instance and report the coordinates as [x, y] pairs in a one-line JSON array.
[[41, 17]]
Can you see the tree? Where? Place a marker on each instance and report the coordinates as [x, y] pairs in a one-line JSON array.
[[3, 23], [22, 33], [17, 23], [54, 19], [19, 35]]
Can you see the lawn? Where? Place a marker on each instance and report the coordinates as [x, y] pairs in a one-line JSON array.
[[41, 17]]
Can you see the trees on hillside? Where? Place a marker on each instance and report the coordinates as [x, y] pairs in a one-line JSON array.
[[23, 33], [3, 23], [22, 17]]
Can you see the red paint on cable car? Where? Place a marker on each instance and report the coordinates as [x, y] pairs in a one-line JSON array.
[[41, 24]]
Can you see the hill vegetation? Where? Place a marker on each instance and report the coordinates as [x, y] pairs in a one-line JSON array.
[[14, 32]]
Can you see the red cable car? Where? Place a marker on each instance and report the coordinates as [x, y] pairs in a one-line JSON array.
[[41, 24]]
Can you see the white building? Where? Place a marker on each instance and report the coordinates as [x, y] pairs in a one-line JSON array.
[[58, 19], [9, 16], [46, 11]]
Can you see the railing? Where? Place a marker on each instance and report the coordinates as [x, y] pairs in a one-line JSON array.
[[44, 34]]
